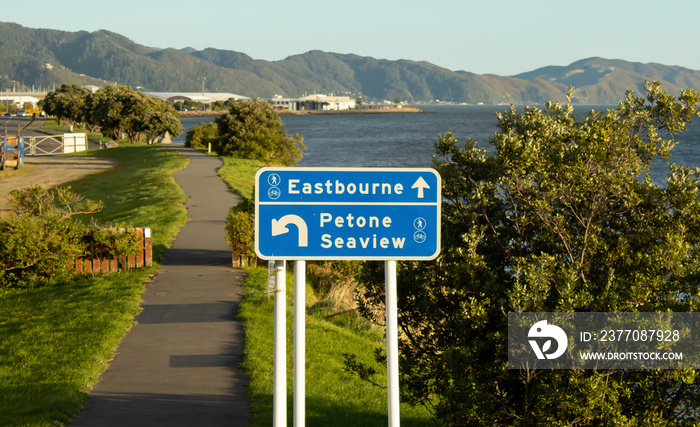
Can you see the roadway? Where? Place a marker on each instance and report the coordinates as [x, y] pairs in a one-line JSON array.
[[11, 126]]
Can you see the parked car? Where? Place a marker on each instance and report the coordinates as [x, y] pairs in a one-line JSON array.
[[21, 113]]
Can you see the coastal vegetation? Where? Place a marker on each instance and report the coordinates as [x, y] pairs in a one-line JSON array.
[[253, 130], [249, 130], [334, 397], [113, 110], [39, 240], [561, 217]]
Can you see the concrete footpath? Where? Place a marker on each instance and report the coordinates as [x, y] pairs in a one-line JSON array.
[[178, 365]]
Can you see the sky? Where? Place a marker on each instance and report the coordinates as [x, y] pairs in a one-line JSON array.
[[503, 37]]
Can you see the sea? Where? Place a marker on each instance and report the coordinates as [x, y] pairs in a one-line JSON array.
[[407, 140]]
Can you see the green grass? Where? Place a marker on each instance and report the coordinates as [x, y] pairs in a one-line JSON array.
[[333, 396], [239, 174], [139, 192], [55, 341]]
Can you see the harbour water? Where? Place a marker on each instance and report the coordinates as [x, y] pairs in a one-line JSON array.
[[406, 140]]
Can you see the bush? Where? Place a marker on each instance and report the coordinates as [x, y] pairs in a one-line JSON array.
[[41, 239], [559, 218], [240, 232], [201, 134], [253, 130], [240, 228]]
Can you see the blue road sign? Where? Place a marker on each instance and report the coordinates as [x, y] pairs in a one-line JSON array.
[[347, 213]]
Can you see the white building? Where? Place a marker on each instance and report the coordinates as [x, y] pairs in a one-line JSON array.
[[19, 100], [325, 102], [280, 103], [203, 97]]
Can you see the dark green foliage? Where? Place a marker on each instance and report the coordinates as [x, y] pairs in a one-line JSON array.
[[117, 109], [559, 219], [253, 130], [113, 110], [159, 118], [37, 243], [67, 102], [240, 232], [201, 135], [240, 228], [116, 242]]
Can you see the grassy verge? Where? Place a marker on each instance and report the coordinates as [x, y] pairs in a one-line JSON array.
[[140, 191], [333, 396], [56, 340], [239, 174]]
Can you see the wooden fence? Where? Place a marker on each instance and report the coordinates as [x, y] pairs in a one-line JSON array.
[[99, 260]]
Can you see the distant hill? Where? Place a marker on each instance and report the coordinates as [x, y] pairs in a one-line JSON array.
[[41, 57], [603, 81]]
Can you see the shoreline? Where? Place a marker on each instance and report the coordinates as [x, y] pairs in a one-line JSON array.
[[382, 110]]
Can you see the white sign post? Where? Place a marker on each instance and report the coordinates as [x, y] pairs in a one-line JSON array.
[[342, 214], [392, 343], [279, 390], [299, 343]]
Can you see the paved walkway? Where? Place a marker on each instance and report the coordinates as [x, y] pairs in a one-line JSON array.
[[177, 366]]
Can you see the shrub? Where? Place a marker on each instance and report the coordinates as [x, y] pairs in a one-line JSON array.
[[253, 130], [38, 242], [560, 217], [201, 134], [240, 232]]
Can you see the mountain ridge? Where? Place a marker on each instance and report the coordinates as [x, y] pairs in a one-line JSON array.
[[46, 57]]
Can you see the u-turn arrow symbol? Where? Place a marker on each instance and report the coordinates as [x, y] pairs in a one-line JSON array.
[[279, 226]]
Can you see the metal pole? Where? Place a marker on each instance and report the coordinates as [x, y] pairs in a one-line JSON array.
[[299, 343], [279, 391], [392, 343]]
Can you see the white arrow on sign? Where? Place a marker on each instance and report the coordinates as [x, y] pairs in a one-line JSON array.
[[280, 227], [420, 184]]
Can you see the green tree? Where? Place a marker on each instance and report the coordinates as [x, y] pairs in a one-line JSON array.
[[116, 109], [160, 117], [218, 105], [66, 103], [560, 218], [253, 130]]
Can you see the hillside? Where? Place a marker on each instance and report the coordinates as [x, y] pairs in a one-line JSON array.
[[103, 57], [599, 80]]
